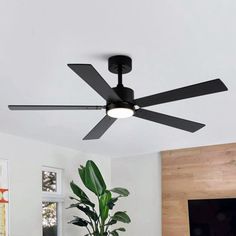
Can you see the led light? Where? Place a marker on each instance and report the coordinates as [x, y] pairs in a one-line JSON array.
[[120, 112]]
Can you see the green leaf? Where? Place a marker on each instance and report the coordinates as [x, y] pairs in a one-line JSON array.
[[73, 198], [81, 171], [79, 222], [74, 205], [103, 205], [121, 191], [78, 191], [112, 202], [81, 194], [121, 229], [122, 217], [112, 222], [88, 212], [93, 179], [114, 233], [96, 233], [85, 209], [88, 203]]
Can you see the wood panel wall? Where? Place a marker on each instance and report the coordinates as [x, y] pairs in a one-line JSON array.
[[195, 173]]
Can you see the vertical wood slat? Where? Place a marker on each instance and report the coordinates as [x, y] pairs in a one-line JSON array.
[[194, 173]]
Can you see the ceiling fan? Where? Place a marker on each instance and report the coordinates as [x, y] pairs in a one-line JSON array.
[[120, 102]]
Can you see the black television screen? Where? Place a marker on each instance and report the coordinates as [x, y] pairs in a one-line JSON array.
[[212, 217]]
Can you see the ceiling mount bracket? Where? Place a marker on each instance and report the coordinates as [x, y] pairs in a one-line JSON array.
[[120, 64]]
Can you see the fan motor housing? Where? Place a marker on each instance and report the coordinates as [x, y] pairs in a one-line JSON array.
[[127, 103], [126, 94], [120, 105]]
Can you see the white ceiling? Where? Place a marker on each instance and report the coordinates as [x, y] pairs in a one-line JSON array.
[[172, 43]]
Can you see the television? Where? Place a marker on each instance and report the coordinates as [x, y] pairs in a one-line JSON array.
[[212, 217]]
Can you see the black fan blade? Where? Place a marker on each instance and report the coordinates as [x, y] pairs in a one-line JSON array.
[[88, 73], [172, 121], [212, 86], [52, 107], [100, 128]]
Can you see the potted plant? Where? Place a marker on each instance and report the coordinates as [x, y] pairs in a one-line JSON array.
[[99, 219]]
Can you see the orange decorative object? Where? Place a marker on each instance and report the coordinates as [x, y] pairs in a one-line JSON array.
[[2, 191], [3, 202]]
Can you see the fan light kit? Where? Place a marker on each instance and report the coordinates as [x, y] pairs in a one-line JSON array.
[[120, 101], [120, 112]]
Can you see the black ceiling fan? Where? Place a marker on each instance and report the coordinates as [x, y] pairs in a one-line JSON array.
[[120, 102]]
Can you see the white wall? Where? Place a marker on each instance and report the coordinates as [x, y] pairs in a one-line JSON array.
[[142, 176], [26, 158]]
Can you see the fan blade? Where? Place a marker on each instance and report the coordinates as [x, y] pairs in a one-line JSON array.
[[172, 121], [52, 107], [100, 128], [208, 87], [88, 73]]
